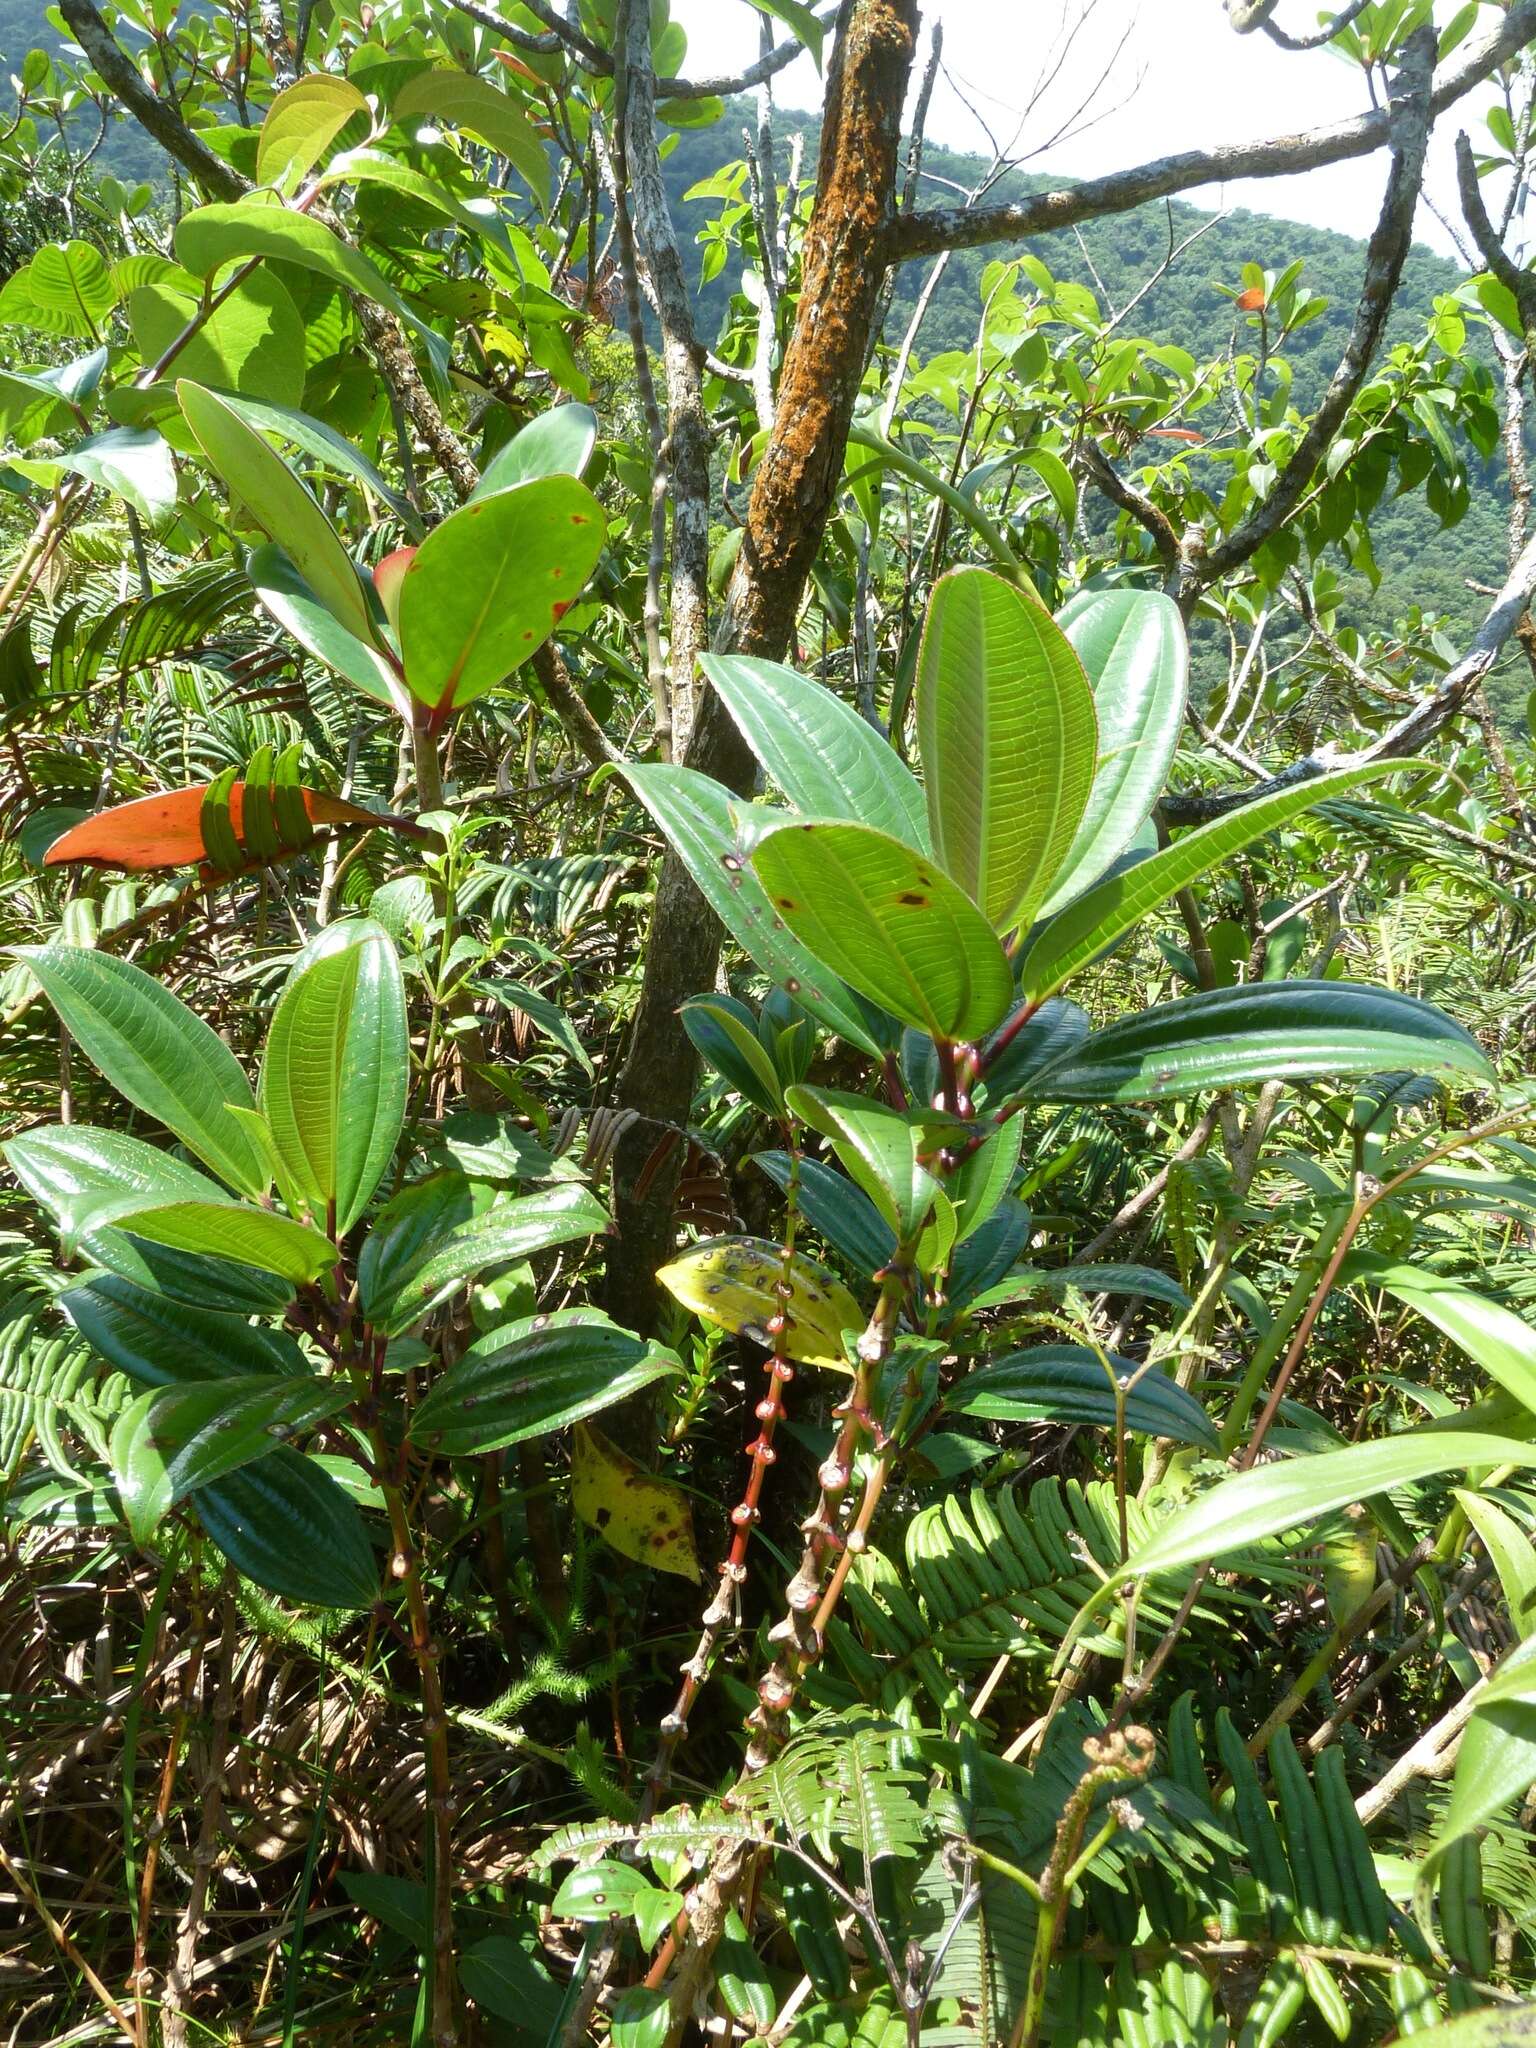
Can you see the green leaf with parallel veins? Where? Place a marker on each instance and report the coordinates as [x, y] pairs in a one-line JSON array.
[[1265, 1031], [1133, 646], [474, 103], [286, 1525], [134, 463], [890, 922], [1008, 739], [235, 1230], [1114, 906], [1293, 1495], [337, 1069], [533, 1377], [155, 1051], [696, 816], [84, 1177], [844, 1214], [554, 443], [487, 588], [1065, 1383], [252, 342], [1503, 1344], [173, 1439], [512, 1230], [161, 1342], [211, 236], [828, 761], [283, 507], [879, 1147], [300, 126]]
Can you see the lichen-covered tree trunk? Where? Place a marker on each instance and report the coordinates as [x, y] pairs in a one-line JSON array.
[[792, 495]]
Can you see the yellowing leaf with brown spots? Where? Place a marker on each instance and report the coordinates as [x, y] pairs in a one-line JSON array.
[[730, 1281], [640, 1516]]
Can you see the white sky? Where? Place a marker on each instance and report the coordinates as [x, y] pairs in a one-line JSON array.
[[1182, 81]]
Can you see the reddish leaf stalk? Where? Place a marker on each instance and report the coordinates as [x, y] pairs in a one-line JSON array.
[[745, 1516]]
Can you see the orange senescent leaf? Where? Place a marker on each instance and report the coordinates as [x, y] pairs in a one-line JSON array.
[[1177, 434], [1251, 300], [165, 831]]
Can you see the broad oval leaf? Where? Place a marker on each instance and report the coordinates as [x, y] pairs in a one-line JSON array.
[[1133, 646], [160, 1342], [828, 761], [398, 1290], [1065, 1383], [231, 231], [466, 101], [1243, 1510], [287, 1526], [236, 1230], [486, 589], [890, 922], [281, 504], [84, 1177], [555, 443], [337, 1069], [696, 815], [732, 1282], [1114, 906], [1008, 739], [173, 1439], [301, 124], [533, 1377], [154, 1051], [1266, 1031], [252, 342], [134, 463]]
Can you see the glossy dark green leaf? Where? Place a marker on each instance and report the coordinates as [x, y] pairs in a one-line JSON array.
[[398, 1291], [288, 1527], [844, 1214], [880, 1148], [1298, 1491], [723, 1032], [155, 1051], [1066, 1383], [160, 1342], [533, 1377], [84, 1177], [890, 922], [190, 1277], [238, 1231], [173, 1439], [1239, 1037]]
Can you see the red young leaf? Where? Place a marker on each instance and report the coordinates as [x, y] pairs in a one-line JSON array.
[[165, 831], [388, 575]]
